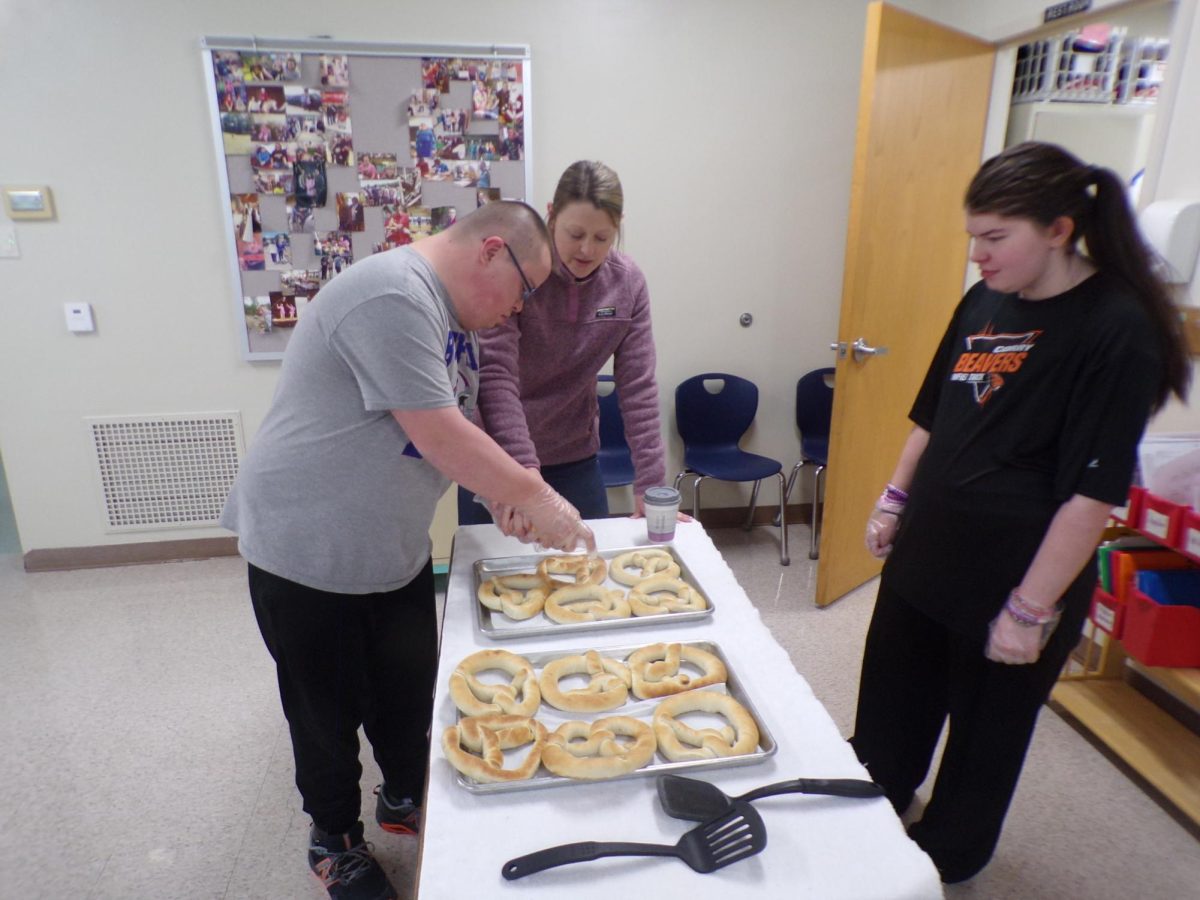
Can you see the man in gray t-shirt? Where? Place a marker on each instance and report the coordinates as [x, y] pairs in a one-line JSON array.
[[332, 507]]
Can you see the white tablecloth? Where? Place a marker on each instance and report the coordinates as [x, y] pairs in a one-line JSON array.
[[818, 847]]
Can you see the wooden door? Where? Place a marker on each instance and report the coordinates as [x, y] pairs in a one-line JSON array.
[[922, 108]]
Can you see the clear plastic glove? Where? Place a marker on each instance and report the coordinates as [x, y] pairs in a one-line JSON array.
[[510, 522], [555, 523], [881, 531], [1015, 644]]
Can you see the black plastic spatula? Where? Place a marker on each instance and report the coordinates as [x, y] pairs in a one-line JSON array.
[[688, 798], [734, 835]]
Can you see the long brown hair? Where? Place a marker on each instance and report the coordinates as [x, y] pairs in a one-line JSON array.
[[1042, 182]]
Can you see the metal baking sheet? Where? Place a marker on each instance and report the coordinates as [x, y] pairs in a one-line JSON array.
[[497, 626], [544, 779]]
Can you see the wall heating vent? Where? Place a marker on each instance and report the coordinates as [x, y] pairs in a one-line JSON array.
[[169, 471]]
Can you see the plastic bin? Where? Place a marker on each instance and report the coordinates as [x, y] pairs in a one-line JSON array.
[[1158, 634], [1189, 535], [1129, 513], [1161, 519], [1108, 613]]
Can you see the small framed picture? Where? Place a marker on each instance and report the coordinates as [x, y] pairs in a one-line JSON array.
[[28, 202]]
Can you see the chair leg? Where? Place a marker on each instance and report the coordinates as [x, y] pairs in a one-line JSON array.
[[696, 497], [753, 503], [790, 483], [784, 559], [818, 483]]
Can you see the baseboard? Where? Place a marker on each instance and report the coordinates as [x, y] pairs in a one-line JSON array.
[[66, 558]]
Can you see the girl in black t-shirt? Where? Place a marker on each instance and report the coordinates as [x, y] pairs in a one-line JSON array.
[[1025, 436]]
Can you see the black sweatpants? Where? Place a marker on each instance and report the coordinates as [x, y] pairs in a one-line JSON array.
[[345, 660], [915, 674]]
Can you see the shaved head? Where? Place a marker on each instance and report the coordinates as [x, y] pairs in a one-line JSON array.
[[517, 223]]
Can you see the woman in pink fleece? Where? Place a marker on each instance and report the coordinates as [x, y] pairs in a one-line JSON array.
[[537, 384]]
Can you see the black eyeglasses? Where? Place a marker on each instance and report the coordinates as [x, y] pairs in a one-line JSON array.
[[525, 281]]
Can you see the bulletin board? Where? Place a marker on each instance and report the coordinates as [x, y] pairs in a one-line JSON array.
[[330, 151]]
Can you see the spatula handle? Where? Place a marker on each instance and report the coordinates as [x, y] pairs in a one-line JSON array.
[[837, 787], [579, 852]]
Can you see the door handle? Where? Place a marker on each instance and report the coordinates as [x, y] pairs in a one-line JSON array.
[[862, 350]]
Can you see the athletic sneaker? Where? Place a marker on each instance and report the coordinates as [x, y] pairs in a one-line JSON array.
[[346, 867], [396, 818]]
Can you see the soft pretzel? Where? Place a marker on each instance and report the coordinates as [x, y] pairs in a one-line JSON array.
[[592, 751], [660, 594], [582, 569], [475, 698], [519, 597], [608, 689], [655, 670], [678, 742], [585, 603], [489, 736], [630, 568]]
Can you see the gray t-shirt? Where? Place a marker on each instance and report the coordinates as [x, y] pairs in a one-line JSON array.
[[332, 494]]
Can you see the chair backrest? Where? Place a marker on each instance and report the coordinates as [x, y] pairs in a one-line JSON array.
[[612, 426], [814, 413], [712, 419]]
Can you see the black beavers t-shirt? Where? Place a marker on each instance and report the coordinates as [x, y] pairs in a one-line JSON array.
[[1027, 402]]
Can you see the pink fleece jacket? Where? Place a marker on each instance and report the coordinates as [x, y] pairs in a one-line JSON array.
[[537, 378]]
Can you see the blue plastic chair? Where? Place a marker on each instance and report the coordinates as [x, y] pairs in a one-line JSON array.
[[615, 458], [711, 424], [814, 414]]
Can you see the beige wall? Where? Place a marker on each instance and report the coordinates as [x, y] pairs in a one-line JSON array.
[[731, 125]]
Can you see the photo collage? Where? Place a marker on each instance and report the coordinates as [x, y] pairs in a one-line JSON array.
[[304, 188]]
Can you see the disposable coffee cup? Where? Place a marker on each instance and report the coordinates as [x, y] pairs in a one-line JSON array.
[[662, 507]]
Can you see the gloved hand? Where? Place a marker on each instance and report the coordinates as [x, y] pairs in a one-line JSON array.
[[881, 531], [510, 522], [554, 522], [1013, 641]]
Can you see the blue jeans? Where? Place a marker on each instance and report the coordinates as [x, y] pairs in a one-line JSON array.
[[579, 482]]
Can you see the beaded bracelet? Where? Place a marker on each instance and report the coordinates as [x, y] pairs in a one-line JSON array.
[[1022, 613], [892, 500]]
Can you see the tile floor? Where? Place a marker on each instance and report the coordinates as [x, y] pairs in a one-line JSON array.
[[143, 753]]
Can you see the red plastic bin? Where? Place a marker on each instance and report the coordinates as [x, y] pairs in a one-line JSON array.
[[1108, 613], [1161, 518], [1129, 513], [1189, 535], [1158, 635]]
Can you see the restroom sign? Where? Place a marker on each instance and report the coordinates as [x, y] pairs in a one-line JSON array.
[[1062, 10]]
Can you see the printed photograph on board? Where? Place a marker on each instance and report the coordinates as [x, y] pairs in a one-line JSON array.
[[383, 192], [350, 212], [265, 98], [259, 67], [410, 186], [235, 133], [269, 181], [310, 181], [300, 99], [335, 70], [227, 65], [376, 166], [268, 127], [442, 217], [301, 219], [231, 96]]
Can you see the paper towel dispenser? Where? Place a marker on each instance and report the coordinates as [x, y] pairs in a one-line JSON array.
[[1172, 228]]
